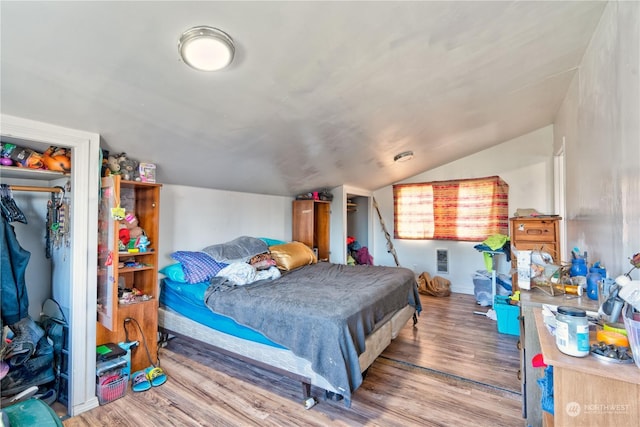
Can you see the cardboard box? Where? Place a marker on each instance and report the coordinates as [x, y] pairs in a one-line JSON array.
[[147, 172]]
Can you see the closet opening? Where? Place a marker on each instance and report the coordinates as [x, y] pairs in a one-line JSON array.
[[60, 234]]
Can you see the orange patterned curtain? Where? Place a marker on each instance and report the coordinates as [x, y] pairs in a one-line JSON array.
[[468, 209]]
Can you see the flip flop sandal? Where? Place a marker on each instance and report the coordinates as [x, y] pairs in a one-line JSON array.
[[155, 375], [139, 382]]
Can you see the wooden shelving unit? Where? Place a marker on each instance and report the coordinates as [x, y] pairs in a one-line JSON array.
[[310, 221], [144, 200]]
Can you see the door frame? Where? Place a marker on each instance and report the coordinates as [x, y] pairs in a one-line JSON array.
[[85, 185]]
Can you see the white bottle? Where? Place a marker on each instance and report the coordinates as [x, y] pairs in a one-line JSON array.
[[572, 331]]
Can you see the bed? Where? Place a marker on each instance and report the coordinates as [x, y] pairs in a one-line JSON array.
[[322, 324]]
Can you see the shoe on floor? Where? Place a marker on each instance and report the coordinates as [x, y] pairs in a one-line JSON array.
[[26, 335], [140, 382], [37, 370], [155, 375]]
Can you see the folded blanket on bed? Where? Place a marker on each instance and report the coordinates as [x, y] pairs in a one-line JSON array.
[[321, 312], [240, 249]]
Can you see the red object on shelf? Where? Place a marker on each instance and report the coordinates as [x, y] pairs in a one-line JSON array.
[[538, 361]]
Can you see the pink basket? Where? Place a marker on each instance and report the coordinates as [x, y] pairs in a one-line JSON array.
[[112, 390]]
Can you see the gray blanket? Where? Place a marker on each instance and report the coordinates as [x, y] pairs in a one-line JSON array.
[[321, 312], [240, 249]]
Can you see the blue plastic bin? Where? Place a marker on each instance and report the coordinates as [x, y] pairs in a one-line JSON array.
[[507, 314]]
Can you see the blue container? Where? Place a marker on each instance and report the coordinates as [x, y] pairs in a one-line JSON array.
[[508, 315], [578, 267], [593, 278]]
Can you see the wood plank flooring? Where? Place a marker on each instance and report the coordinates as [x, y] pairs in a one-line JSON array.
[[453, 369]]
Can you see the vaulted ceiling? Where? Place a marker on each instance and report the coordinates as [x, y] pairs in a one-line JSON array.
[[319, 94]]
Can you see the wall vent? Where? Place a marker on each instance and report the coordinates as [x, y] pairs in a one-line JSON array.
[[442, 260]]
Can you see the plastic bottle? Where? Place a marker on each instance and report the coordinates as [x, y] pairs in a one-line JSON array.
[[578, 267], [593, 278], [572, 331]]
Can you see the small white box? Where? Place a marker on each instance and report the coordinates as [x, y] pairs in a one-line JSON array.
[[524, 269]]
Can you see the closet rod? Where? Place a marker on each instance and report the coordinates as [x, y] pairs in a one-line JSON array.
[[36, 189]]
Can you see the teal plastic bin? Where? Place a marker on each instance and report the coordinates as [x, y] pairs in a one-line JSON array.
[[30, 413], [508, 315]]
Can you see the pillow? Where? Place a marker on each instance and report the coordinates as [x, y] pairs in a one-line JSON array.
[[240, 249], [197, 266], [272, 242], [292, 255], [174, 272]]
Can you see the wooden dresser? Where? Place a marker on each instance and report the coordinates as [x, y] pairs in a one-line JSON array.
[[540, 233]]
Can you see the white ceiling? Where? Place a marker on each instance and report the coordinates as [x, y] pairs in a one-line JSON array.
[[320, 93]]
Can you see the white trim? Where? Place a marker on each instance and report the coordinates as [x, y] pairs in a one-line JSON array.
[[559, 183], [84, 222], [339, 221]]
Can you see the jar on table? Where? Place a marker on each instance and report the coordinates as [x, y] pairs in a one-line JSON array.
[[578, 267], [572, 331]]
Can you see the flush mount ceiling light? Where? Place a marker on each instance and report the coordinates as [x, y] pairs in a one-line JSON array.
[[206, 48], [403, 157]]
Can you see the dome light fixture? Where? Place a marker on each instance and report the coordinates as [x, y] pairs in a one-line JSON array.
[[206, 48], [405, 156]]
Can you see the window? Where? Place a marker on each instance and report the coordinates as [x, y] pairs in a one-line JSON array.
[[467, 209]]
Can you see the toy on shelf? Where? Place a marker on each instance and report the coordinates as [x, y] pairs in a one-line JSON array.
[[130, 233], [57, 159], [13, 155]]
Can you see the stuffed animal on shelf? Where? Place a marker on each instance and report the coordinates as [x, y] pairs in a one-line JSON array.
[[57, 159], [143, 243], [131, 223], [129, 232], [113, 163], [123, 238], [128, 167]]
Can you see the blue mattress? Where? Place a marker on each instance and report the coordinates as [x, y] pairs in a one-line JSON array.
[[188, 300]]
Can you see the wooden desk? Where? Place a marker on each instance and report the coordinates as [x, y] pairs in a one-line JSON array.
[[587, 391], [530, 346]]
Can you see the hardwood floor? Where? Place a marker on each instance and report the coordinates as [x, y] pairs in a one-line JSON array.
[[453, 369]]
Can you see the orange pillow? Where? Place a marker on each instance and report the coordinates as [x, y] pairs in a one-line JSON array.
[[292, 255]]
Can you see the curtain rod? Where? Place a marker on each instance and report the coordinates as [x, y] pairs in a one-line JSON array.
[[36, 189]]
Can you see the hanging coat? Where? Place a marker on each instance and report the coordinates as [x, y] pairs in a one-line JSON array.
[[14, 260]]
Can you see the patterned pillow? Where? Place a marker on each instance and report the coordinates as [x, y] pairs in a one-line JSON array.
[[198, 266]]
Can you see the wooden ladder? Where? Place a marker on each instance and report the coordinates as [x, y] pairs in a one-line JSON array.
[[390, 248]]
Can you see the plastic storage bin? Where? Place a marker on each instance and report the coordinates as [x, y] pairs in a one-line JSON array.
[[111, 389], [482, 288], [31, 412], [507, 314]]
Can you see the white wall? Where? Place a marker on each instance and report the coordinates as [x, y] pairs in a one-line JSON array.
[[525, 163], [600, 120], [192, 218]]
